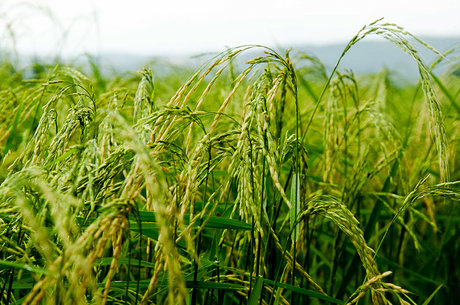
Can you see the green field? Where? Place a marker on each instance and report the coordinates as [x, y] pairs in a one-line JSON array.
[[276, 181]]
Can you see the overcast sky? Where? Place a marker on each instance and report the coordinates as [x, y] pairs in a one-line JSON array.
[[184, 27]]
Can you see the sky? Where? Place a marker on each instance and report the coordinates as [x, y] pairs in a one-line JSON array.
[[179, 27]]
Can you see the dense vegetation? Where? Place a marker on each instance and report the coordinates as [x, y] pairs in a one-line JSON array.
[[272, 182]]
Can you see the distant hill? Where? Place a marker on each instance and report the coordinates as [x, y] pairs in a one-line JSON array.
[[367, 56]]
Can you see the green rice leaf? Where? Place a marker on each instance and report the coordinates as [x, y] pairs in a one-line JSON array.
[[307, 292], [295, 209], [215, 222], [24, 267], [428, 300], [256, 292]]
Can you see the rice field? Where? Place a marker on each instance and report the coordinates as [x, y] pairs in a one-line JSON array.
[[272, 182]]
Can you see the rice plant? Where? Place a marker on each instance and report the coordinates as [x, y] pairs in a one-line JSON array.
[[272, 182]]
